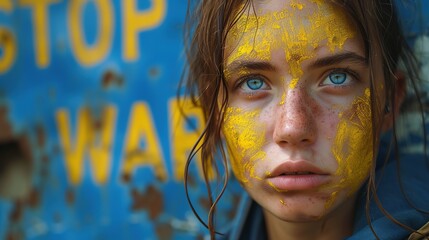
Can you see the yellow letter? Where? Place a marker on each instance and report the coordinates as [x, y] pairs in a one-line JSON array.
[[183, 138], [142, 130], [73, 155], [6, 5], [91, 55], [135, 21], [95, 138], [7, 42], [41, 31]]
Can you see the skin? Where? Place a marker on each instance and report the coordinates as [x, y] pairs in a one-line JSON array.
[[288, 104]]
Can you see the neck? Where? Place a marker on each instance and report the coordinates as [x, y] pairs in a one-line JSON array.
[[336, 225]]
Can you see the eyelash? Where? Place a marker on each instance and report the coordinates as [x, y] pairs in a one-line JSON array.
[[240, 82], [354, 75]]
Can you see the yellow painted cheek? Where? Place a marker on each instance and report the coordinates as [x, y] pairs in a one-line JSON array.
[[245, 139], [283, 99], [353, 146]]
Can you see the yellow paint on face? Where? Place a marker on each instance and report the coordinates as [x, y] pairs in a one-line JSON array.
[[318, 2], [245, 139], [291, 30], [296, 5], [353, 146], [283, 99]]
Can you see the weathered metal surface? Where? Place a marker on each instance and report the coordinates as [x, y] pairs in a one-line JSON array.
[[90, 145]]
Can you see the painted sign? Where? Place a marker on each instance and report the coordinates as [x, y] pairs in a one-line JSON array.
[[92, 142]]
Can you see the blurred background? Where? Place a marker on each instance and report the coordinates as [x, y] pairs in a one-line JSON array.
[[91, 142]]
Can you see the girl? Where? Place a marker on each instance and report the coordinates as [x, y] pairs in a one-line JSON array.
[[299, 92]]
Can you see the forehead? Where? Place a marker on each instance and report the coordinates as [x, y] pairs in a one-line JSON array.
[[297, 26]]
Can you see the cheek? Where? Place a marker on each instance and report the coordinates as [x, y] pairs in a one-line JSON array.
[[352, 147], [244, 137]]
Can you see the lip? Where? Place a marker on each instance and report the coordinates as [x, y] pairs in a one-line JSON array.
[[297, 176]]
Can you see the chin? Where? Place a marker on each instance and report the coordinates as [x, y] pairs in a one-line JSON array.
[[297, 215], [303, 208]]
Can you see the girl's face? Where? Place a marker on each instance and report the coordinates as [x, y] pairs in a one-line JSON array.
[[298, 127]]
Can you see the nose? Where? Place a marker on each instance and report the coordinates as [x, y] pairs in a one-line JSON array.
[[295, 120]]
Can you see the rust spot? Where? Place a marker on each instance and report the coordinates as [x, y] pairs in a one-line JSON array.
[[154, 72], [33, 199], [5, 126], [126, 177], [70, 197], [111, 79], [5, 36], [97, 125], [191, 180], [152, 201], [16, 214], [25, 147], [205, 203], [40, 136], [14, 236], [200, 237], [164, 231], [235, 202]]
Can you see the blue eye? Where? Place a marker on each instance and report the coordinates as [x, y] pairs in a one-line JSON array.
[[253, 86], [254, 83], [337, 78], [340, 78]]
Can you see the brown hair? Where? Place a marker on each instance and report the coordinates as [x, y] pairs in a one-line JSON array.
[[207, 30]]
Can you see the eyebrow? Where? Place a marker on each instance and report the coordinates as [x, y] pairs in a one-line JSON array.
[[339, 58], [249, 65], [320, 62]]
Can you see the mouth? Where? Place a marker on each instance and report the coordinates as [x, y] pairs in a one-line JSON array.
[[301, 167], [297, 176], [296, 173]]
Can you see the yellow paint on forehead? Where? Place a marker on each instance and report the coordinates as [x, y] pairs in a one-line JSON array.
[[245, 139], [295, 4], [353, 146], [318, 2], [296, 33]]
